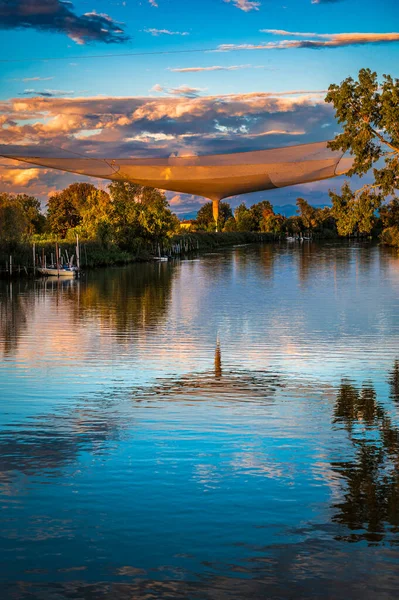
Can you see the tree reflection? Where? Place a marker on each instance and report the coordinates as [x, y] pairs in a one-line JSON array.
[[394, 382], [126, 299], [14, 310], [370, 507]]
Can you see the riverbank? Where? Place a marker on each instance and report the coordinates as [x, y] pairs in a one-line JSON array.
[[93, 254]]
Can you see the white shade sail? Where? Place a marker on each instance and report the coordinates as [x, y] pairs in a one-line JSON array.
[[212, 176]]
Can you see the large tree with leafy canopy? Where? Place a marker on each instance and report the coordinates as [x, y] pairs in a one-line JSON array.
[[368, 111], [205, 218]]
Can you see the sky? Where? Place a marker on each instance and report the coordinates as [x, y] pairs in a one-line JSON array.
[[122, 78]]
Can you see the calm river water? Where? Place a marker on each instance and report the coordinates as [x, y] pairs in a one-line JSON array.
[[219, 428]]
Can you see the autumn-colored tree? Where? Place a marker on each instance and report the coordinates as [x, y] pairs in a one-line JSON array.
[[273, 223], [307, 213], [259, 211]]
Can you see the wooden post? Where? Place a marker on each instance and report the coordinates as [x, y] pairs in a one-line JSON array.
[[10, 266], [34, 258], [57, 258], [77, 252]]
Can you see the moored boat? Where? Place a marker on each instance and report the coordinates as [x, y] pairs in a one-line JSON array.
[[60, 272]]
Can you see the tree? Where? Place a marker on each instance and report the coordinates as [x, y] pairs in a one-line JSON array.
[[244, 218], [95, 215], [64, 208], [368, 111], [307, 213], [35, 220], [259, 211], [230, 225], [389, 213], [205, 218], [140, 212], [13, 222], [272, 223], [355, 213]]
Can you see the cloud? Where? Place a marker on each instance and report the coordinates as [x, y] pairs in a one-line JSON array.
[[153, 3], [153, 126], [213, 68], [183, 90], [320, 40], [47, 93], [245, 5], [58, 16], [157, 32], [18, 176], [26, 79]]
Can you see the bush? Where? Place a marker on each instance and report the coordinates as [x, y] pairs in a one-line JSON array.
[[390, 236]]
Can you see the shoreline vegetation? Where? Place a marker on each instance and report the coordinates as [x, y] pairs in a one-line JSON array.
[[135, 224]]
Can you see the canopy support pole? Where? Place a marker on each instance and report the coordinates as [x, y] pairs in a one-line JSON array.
[[215, 210]]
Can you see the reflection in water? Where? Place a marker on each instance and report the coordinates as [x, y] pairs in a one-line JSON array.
[[370, 508], [130, 299], [141, 459], [14, 310], [394, 382]]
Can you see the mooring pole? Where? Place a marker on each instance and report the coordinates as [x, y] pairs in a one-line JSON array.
[[77, 252]]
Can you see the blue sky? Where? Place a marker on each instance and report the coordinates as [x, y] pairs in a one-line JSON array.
[[169, 101]]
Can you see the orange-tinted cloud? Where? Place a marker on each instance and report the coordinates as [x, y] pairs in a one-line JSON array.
[[315, 41]]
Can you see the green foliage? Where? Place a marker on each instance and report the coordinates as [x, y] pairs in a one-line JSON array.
[[390, 236], [389, 213], [368, 111], [354, 213], [307, 213], [259, 211], [230, 225], [140, 213], [35, 220], [64, 208], [205, 218], [272, 223], [244, 218], [13, 222]]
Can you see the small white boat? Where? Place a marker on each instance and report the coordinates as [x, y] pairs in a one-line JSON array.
[[60, 272], [291, 239], [161, 258]]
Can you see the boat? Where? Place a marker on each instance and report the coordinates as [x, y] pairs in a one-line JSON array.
[[64, 271]]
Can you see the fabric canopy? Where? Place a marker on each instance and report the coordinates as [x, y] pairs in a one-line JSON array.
[[212, 176]]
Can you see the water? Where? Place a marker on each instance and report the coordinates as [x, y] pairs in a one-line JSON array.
[[225, 427]]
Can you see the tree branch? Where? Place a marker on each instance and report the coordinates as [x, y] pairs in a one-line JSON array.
[[383, 140]]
